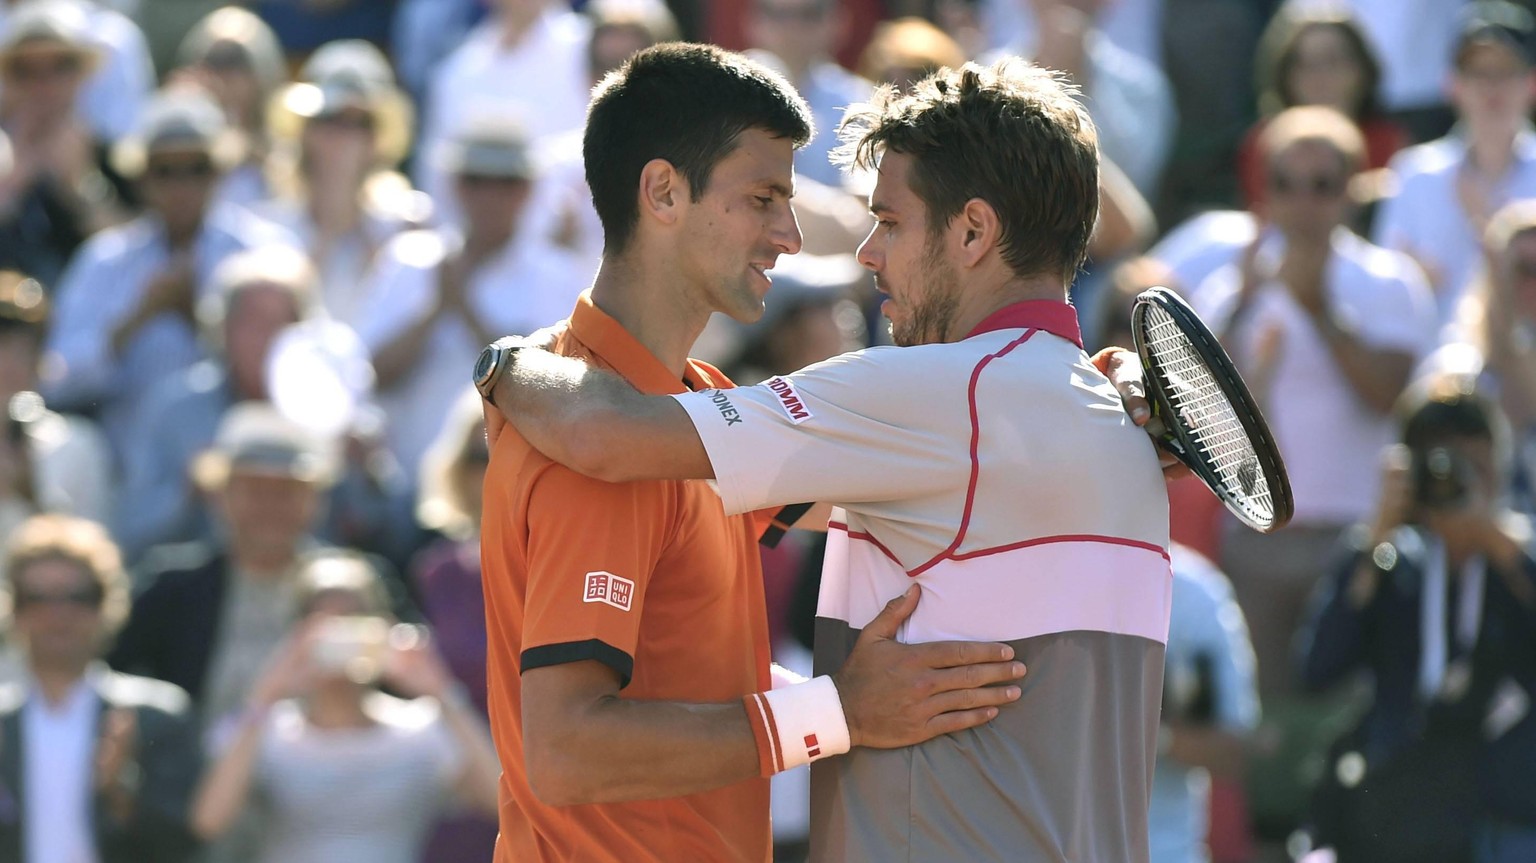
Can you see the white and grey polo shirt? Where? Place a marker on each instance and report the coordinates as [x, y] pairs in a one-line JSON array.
[[1002, 474]]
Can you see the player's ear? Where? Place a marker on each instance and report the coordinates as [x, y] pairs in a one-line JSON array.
[[662, 190], [978, 231]]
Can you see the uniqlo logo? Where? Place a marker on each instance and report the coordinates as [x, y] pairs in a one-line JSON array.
[[812, 747], [609, 589]]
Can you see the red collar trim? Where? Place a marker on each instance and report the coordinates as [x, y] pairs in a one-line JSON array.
[[1053, 316]]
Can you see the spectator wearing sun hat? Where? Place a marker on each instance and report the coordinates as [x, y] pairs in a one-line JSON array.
[[121, 80], [339, 133], [125, 306], [527, 61], [208, 615], [236, 57], [57, 188], [437, 295]]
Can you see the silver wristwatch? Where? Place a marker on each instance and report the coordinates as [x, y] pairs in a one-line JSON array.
[[493, 363]]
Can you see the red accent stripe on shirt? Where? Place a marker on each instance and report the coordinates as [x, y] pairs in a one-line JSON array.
[[1066, 537], [970, 491], [853, 534]]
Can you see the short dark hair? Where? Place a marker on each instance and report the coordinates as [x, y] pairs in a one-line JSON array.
[[687, 104], [1449, 406], [1279, 51], [1013, 135]]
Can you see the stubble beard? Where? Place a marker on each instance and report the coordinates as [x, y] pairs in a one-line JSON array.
[[937, 303]]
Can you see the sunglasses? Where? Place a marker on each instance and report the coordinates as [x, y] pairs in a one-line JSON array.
[[1523, 269], [201, 169], [84, 597], [37, 69], [1322, 185], [352, 121], [493, 180]]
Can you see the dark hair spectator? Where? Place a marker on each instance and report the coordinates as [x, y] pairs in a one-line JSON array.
[[696, 82], [1318, 56]]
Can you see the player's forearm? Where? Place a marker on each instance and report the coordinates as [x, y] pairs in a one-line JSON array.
[[596, 424], [225, 787], [620, 749]]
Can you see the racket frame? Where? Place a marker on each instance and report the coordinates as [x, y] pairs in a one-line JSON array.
[[1177, 438]]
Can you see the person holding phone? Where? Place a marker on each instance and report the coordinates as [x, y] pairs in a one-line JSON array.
[[344, 771]]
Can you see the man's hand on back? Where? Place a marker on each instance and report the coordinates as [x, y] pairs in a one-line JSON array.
[[898, 694]]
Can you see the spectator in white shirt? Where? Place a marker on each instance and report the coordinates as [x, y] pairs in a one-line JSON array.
[[125, 313], [1327, 327], [527, 62], [438, 296], [115, 93], [1413, 38], [341, 132], [54, 190], [315, 723], [1449, 188], [1129, 97], [236, 57], [800, 36]]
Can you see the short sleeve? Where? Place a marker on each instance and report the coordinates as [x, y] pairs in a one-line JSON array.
[[592, 547], [1398, 314], [874, 425]]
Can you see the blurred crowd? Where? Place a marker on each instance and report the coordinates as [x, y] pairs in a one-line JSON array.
[[248, 254]]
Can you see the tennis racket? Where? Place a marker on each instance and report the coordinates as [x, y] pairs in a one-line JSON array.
[[1212, 422]]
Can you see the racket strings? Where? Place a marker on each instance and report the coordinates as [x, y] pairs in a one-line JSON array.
[[1208, 415]]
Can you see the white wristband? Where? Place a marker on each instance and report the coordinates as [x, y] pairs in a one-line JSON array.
[[802, 723]]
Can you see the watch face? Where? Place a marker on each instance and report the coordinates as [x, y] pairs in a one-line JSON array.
[[484, 364]]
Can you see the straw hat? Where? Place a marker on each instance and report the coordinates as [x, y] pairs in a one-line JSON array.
[[489, 147], [254, 439], [349, 73], [58, 24], [179, 121], [236, 36]]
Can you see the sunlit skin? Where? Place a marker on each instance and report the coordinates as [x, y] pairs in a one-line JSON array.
[[253, 321], [1326, 70], [268, 513], [492, 207], [1493, 89], [38, 81], [907, 258], [58, 633], [178, 185], [339, 148], [731, 236], [1520, 261], [1313, 201]]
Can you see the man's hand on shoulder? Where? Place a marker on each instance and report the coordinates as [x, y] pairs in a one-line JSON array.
[[1123, 368], [898, 694]]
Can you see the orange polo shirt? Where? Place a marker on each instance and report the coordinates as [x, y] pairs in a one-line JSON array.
[[652, 579]]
